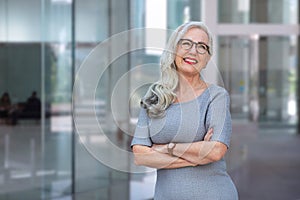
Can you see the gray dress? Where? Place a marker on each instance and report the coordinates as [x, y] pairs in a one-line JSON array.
[[188, 122]]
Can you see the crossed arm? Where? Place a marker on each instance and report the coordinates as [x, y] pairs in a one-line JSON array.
[[185, 154]]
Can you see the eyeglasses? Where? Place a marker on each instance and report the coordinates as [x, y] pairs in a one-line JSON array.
[[187, 44]]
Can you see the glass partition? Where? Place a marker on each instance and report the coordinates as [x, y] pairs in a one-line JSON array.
[[180, 11], [261, 75], [239, 72], [36, 71], [57, 78], [277, 82], [258, 11], [97, 131]]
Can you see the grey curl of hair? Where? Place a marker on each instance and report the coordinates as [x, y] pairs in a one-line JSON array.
[[162, 93]]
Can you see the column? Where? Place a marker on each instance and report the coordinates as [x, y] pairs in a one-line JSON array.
[[298, 80], [298, 89], [209, 15]]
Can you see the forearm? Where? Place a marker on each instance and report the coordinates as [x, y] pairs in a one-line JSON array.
[[148, 157], [165, 161], [202, 152]]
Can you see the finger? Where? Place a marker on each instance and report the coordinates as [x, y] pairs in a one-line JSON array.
[[210, 131], [206, 138], [208, 135]]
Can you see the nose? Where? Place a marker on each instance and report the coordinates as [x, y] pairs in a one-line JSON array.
[[193, 48]]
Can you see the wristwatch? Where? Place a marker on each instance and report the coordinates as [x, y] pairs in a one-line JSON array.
[[171, 147]]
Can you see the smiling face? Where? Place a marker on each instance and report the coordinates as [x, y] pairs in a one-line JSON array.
[[190, 61]]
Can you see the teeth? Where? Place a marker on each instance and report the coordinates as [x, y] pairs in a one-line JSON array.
[[190, 60]]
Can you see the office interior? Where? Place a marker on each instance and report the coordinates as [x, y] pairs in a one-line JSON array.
[[67, 147]]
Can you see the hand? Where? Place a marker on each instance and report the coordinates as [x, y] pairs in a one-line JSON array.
[[209, 134], [162, 148]]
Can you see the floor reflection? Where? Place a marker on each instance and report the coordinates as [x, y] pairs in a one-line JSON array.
[[264, 164]]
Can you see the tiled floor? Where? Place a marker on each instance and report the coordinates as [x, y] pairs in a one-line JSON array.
[[264, 164], [271, 170], [267, 166]]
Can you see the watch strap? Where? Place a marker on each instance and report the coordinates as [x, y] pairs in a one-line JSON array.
[[171, 149]]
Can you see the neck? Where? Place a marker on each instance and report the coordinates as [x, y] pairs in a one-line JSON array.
[[190, 83]]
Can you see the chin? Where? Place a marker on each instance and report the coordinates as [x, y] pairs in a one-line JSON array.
[[189, 71]]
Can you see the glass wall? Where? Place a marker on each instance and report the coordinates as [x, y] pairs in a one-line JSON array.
[[179, 11], [260, 68], [258, 11], [97, 131], [260, 74], [36, 60], [277, 82], [236, 56], [57, 78]]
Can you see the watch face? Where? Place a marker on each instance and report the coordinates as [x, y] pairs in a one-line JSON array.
[[171, 145]]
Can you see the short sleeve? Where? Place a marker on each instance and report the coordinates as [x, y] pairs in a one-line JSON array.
[[141, 133], [218, 116]]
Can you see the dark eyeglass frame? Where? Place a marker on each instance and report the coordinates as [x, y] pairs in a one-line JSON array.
[[196, 44]]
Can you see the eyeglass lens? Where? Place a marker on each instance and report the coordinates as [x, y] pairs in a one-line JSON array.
[[188, 44]]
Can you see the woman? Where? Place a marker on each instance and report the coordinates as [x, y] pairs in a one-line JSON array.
[[184, 127]]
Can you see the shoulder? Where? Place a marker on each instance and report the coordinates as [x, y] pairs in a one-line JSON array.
[[218, 92]]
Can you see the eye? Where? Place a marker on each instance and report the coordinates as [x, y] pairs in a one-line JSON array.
[[186, 44], [201, 47]]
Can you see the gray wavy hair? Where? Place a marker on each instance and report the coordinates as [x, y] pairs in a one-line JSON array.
[[162, 93]]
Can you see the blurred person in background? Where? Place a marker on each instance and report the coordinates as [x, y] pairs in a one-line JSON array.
[[33, 103], [184, 126], [5, 106], [31, 109]]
